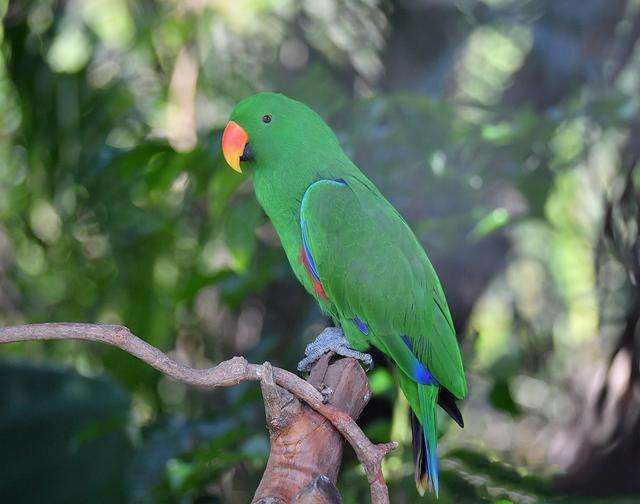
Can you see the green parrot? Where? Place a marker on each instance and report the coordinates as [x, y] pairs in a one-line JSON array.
[[352, 251]]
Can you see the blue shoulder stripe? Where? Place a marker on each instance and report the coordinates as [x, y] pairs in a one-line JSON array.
[[307, 252]]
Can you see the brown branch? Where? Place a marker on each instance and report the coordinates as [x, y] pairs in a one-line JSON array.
[[319, 491], [226, 374], [304, 444]]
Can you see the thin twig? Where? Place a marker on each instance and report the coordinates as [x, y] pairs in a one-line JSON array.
[[226, 374]]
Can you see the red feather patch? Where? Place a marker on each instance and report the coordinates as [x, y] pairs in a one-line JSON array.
[[317, 285]]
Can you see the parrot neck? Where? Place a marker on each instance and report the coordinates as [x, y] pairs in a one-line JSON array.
[[279, 190]]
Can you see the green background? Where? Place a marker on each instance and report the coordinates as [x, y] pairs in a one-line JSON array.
[[505, 131]]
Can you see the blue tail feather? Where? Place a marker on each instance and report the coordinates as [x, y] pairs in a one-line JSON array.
[[428, 396], [433, 466]]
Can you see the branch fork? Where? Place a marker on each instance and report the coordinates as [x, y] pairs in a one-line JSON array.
[[281, 389]]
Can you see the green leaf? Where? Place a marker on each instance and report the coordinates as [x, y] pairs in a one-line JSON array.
[[490, 223], [502, 399]]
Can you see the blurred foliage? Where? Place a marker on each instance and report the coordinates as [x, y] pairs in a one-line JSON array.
[[496, 127], [61, 427]]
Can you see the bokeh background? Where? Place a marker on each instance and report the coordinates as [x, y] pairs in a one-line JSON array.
[[506, 131]]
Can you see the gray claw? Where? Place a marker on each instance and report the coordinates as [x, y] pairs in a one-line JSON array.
[[331, 340]]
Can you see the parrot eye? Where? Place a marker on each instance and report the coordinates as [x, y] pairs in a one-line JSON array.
[[266, 118]]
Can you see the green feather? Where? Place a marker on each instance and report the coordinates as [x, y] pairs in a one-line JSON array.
[[369, 261]]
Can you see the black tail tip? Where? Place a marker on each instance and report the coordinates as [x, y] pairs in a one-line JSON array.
[[447, 401]]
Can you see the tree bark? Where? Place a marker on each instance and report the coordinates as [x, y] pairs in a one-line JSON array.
[[306, 450]]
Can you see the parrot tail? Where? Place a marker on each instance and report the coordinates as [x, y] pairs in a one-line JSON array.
[[419, 455], [425, 441]]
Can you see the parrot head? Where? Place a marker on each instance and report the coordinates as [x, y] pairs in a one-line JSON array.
[[269, 131]]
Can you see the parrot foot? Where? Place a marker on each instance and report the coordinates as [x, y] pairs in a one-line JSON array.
[[331, 340]]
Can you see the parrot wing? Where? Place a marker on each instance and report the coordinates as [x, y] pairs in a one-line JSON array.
[[375, 273]]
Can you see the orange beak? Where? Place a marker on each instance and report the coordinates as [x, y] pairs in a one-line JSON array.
[[234, 141]]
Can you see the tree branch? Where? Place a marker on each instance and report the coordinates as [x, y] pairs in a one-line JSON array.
[[304, 446], [226, 374]]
